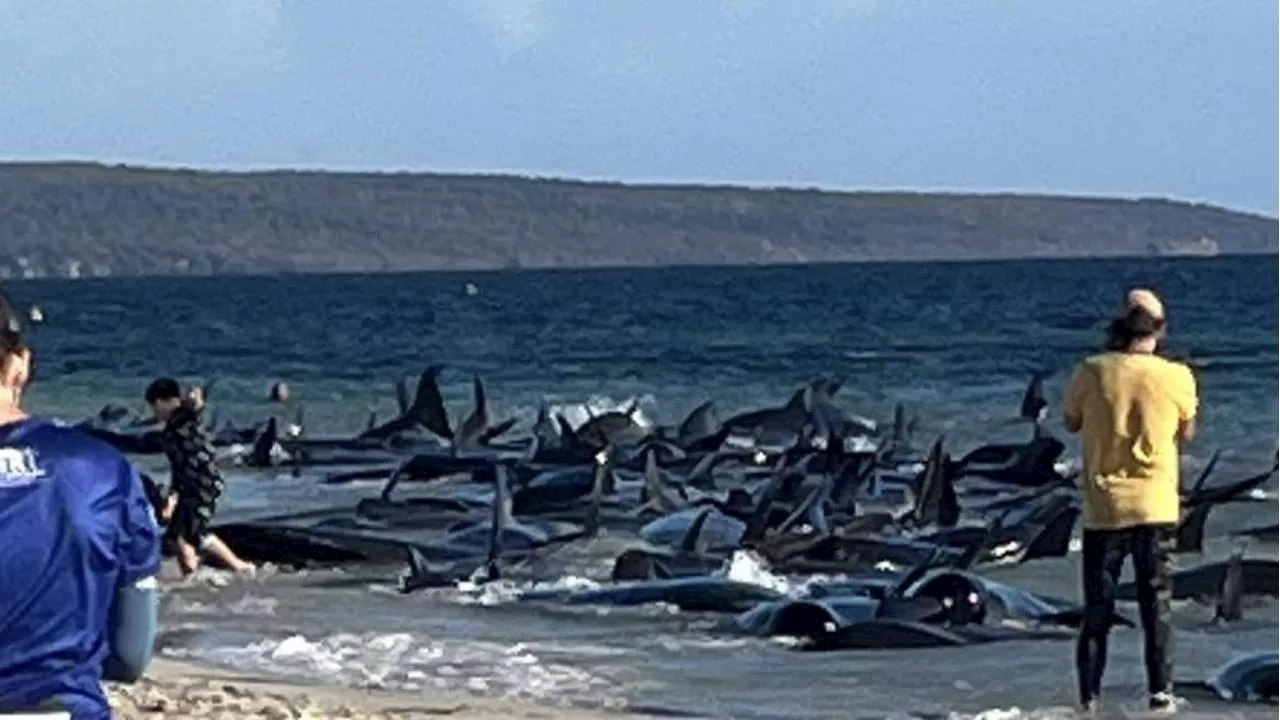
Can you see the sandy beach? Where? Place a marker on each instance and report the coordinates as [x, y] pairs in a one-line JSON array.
[[175, 689]]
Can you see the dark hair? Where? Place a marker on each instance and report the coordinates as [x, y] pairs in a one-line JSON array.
[[163, 389], [1135, 325], [11, 340]]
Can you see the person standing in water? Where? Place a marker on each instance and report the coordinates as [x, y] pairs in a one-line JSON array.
[[279, 392], [1132, 409], [195, 482], [81, 551]]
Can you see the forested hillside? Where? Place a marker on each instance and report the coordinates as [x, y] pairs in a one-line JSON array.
[[83, 219]]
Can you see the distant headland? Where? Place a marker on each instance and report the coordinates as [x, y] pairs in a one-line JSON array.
[[85, 220]]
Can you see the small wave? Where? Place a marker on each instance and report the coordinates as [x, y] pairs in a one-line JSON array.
[[402, 661], [684, 643], [212, 577], [1062, 712], [877, 356], [503, 591], [249, 605], [1059, 712], [208, 577]]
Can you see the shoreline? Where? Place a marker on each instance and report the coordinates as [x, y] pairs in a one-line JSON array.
[[179, 688], [481, 270]]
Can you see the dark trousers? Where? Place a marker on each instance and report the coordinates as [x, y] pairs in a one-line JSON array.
[[1103, 555]]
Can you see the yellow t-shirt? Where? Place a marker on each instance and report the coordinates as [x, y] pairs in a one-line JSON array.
[[1131, 406]]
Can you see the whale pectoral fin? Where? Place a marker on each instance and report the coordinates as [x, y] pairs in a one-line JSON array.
[[1189, 537], [492, 433], [428, 407], [693, 543], [419, 574], [1228, 605], [402, 395], [502, 508]]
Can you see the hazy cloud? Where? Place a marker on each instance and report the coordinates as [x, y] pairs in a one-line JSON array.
[[515, 23]]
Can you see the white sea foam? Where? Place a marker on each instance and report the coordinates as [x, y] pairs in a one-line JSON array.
[[503, 591], [577, 414], [1016, 713], [408, 662], [746, 567]]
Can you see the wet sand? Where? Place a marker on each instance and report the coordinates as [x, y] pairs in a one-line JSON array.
[[175, 689]]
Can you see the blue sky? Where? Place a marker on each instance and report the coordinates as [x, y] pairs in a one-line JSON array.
[[1175, 98]]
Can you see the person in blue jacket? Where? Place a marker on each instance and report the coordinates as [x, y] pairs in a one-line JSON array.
[[81, 551]]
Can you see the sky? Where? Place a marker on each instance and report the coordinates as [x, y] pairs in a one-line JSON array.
[[1172, 98]]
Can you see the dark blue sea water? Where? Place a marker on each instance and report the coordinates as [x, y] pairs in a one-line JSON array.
[[955, 342]]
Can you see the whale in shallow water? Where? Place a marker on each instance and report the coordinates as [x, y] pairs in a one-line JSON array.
[[1237, 577], [1246, 678], [718, 531], [921, 608]]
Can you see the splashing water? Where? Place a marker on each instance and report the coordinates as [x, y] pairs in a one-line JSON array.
[[577, 414], [503, 591], [746, 567]]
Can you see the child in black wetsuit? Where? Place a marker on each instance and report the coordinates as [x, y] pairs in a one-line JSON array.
[[195, 482]]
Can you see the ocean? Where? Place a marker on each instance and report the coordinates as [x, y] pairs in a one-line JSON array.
[[955, 342]]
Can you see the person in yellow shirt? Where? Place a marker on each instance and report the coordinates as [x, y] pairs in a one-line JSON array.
[[1132, 409]]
